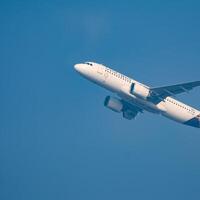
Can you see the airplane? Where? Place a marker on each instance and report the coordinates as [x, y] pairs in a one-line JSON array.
[[134, 97]]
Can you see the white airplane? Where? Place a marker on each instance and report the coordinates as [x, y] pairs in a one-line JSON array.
[[135, 97]]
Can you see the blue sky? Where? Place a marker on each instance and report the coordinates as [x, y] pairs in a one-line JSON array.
[[57, 141]]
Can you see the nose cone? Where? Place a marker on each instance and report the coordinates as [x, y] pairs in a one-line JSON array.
[[77, 67], [81, 69]]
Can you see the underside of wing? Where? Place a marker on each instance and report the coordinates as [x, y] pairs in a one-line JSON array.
[[117, 105], [159, 93], [130, 111]]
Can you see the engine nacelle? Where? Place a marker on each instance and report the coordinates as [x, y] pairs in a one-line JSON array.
[[114, 104], [139, 90]]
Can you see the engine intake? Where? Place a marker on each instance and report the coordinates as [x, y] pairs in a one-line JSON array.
[[114, 104]]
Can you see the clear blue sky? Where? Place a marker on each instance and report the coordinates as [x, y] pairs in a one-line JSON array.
[[57, 141]]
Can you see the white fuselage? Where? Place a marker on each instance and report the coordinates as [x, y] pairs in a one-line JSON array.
[[120, 84]]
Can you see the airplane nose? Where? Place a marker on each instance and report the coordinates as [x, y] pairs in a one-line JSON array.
[[77, 67], [80, 68]]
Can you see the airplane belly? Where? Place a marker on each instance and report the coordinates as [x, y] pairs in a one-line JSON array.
[[145, 105], [148, 106]]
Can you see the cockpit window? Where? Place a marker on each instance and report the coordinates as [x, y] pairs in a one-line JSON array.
[[89, 63]]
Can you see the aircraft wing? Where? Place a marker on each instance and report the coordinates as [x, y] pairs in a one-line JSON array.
[[159, 93]]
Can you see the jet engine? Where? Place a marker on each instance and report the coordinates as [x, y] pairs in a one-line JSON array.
[[139, 91], [114, 104]]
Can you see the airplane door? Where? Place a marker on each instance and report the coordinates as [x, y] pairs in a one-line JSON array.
[[106, 75], [100, 70]]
